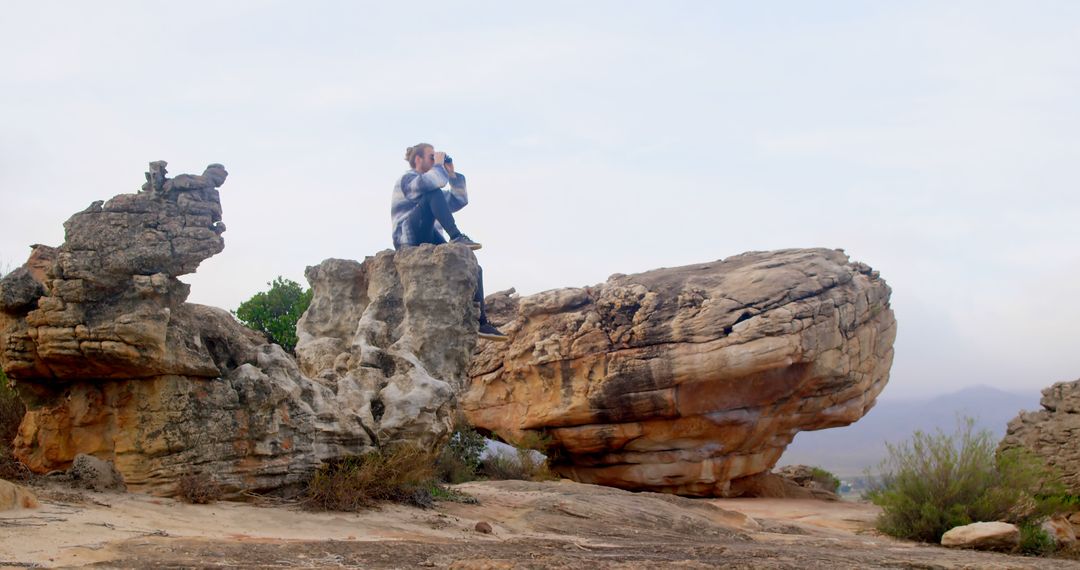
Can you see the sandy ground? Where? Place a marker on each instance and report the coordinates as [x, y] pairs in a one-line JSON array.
[[534, 525]]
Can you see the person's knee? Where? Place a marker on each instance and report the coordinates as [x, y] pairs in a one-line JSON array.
[[432, 196]]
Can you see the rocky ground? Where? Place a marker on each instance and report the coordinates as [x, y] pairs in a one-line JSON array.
[[532, 525]]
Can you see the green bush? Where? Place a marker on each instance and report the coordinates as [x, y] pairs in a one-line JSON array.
[[11, 414], [1035, 541], [934, 482], [445, 493], [826, 478], [11, 411], [526, 464], [402, 474], [275, 312], [459, 460]]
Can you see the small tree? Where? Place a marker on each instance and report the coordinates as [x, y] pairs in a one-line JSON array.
[[11, 414], [276, 311], [11, 411], [934, 482], [459, 459]]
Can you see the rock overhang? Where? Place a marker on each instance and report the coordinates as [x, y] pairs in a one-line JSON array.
[[686, 379]]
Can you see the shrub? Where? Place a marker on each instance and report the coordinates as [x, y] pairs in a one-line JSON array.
[[444, 493], [275, 312], [11, 412], [527, 464], [934, 482], [1035, 541], [459, 460], [198, 489], [403, 474], [826, 479]]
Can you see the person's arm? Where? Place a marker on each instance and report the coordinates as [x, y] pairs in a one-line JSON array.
[[457, 197], [413, 185]]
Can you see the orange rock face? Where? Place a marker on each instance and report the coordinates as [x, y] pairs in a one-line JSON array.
[[683, 380]]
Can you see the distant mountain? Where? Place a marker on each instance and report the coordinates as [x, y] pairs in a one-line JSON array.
[[847, 451]]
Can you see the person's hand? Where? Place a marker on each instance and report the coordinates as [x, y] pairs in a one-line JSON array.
[[449, 166], [440, 157]]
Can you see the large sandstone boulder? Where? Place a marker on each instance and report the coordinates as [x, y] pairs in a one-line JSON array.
[[112, 362], [1051, 432], [683, 380]]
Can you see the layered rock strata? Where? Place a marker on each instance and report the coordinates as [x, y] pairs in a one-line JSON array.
[[1051, 433], [686, 380], [112, 362]]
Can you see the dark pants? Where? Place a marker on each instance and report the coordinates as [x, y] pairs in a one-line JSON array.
[[433, 208]]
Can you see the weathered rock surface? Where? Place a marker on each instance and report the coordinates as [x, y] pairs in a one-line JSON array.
[[1060, 529], [110, 292], [983, 536], [686, 379], [397, 333], [89, 472], [112, 362], [790, 482], [14, 496], [1052, 433]]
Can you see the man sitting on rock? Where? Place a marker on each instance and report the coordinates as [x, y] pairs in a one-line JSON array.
[[420, 210]]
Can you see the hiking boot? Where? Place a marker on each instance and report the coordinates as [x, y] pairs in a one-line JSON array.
[[465, 241], [488, 331]]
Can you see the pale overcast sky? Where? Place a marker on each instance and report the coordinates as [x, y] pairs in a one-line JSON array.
[[937, 141]]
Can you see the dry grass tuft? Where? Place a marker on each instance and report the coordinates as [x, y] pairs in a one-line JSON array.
[[401, 474], [199, 489]]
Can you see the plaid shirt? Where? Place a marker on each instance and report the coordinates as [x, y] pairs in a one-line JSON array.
[[407, 192]]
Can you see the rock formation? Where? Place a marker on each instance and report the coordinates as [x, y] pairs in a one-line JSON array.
[[1051, 433], [983, 536], [687, 380], [790, 482], [112, 362], [397, 332]]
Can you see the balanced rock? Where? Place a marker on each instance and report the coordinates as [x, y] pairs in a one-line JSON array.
[[1050, 433], [684, 380], [983, 536], [112, 362]]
